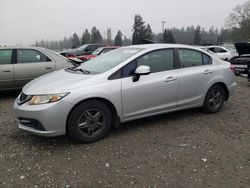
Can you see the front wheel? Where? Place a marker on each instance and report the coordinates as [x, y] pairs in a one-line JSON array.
[[88, 122], [214, 99]]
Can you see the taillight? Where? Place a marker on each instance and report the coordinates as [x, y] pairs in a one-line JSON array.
[[232, 67]]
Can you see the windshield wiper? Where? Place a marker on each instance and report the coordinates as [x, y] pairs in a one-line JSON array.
[[78, 69], [83, 71]]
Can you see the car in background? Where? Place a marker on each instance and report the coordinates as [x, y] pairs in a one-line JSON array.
[[221, 52], [97, 52], [125, 84], [241, 61], [19, 65], [85, 49]]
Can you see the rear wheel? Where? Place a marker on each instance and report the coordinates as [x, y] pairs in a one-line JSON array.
[[237, 73], [88, 122], [214, 99]]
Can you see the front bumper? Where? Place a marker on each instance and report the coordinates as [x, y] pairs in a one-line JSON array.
[[52, 117]]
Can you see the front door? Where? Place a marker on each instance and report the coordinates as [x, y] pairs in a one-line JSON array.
[[7, 80], [153, 93]]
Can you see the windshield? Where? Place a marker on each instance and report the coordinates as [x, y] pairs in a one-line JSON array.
[[109, 60], [82, 47], [97, 51]]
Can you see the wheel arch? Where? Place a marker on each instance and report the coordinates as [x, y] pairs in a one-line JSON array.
[[114, 115], [224, 86]]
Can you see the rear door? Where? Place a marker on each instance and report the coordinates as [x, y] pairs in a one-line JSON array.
[[30, 64], [7, 80], [195, 72]]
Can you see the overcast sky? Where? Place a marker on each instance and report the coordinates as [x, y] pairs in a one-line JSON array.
[[25, 21]]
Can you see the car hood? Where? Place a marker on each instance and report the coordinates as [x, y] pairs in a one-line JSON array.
[[242, 48], [57, 82]]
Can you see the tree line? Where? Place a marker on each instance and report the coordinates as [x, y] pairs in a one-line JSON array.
[[237, 29]]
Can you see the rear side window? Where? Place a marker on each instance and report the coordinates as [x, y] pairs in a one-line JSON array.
[[5, 56], [192, 58], [30, 56], [92, 47], [217, 50], [206, 59]]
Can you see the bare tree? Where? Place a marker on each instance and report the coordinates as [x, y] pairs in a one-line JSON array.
[[239, 20]]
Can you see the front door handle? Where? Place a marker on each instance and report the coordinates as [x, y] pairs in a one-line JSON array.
[[48, 68], [170, 79], [6, 70], [208, 72]]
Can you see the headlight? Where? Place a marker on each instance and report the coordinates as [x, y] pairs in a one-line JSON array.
[[43, 99]]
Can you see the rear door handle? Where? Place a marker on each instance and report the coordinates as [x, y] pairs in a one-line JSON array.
[[170, 79], [208, 72], [48, 68], [6, 70]]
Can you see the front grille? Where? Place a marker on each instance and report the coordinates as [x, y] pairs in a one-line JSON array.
[[23, 98]]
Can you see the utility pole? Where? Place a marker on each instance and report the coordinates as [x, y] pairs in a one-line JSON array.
[[163, 25], [163, 28]]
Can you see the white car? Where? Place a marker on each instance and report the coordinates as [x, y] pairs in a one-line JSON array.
[[221, 52]]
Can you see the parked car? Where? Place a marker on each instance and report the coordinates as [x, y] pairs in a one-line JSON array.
[[125, 84], [248, 74], [97, 52], [240, 62], [221, 52], [85, 49], [19, 65]]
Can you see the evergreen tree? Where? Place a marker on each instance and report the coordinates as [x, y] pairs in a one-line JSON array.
[[168, 37], [118, 39], [96, 36], [85, 37], [99, 38], [93, 34], [148, 33], [109, 36], [75, 41], [138, 29], [197, 36], [126, 41]]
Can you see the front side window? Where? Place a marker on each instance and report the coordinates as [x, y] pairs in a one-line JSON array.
[[158, 61], [30, 56], [5, 56], [190, 58]]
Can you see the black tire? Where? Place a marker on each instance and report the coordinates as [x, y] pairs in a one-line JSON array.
[[89, 121], [237, 73], [214, 99]]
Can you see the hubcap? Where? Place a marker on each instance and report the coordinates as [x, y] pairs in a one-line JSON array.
[[215, 99], [91, 122]]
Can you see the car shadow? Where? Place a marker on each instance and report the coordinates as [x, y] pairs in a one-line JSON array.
[[156, 120], [9, 94], [125, 128]]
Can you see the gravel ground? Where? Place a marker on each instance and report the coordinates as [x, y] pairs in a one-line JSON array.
[[181, 149]]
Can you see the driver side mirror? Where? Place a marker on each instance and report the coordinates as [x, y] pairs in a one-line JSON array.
[[141, 70]]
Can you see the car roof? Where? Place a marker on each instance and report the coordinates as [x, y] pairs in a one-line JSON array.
[[157, 46], [22, 47]]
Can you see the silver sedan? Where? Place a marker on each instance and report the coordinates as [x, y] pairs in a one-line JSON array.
[[19, 65], [123, 85]]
